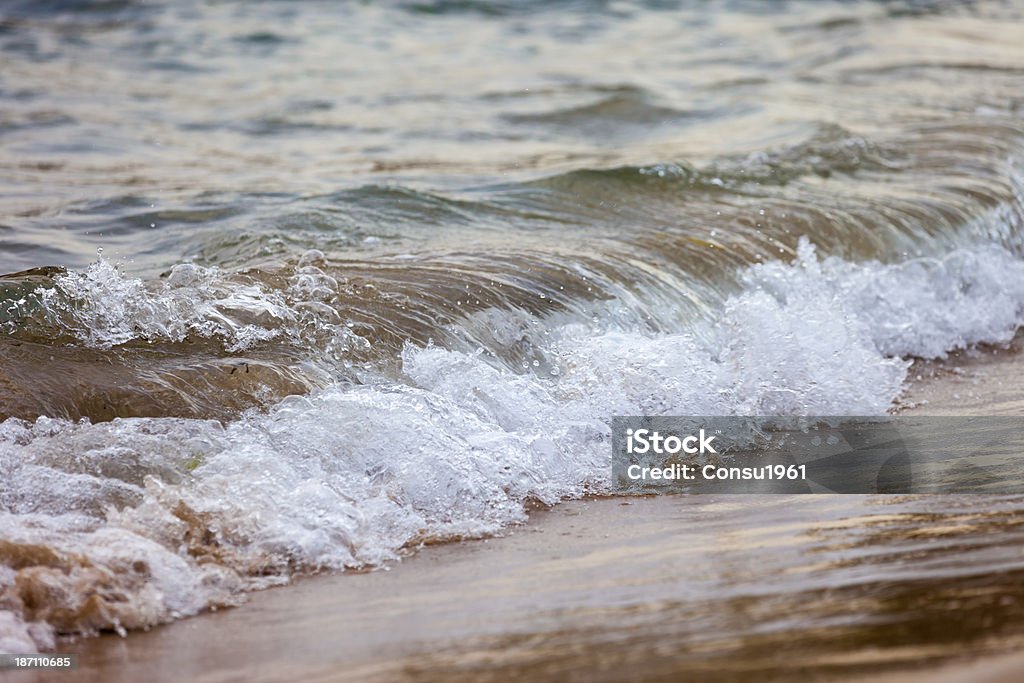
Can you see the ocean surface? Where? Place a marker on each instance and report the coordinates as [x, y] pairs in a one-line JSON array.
[[302, 286]]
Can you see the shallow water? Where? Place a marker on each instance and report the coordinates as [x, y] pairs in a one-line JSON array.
[[661, 588], [373, 276]]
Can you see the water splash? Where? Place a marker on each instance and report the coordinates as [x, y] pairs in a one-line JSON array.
[[159, 518]]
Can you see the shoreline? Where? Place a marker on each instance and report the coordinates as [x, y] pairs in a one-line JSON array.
[[610, 584], [356, 341]]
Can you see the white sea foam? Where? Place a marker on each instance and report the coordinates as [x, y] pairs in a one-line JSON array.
[[101, 308], [160, 517], [922, 307]]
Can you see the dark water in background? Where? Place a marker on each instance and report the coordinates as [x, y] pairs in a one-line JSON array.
[[458, 237], [232, 134]]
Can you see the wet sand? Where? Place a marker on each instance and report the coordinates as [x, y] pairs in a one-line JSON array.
[[717, 588], [985, 381]]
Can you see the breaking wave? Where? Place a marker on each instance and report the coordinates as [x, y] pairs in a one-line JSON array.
[[132, 522]]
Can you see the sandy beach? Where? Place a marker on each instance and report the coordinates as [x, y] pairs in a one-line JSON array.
[[718, 588]]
